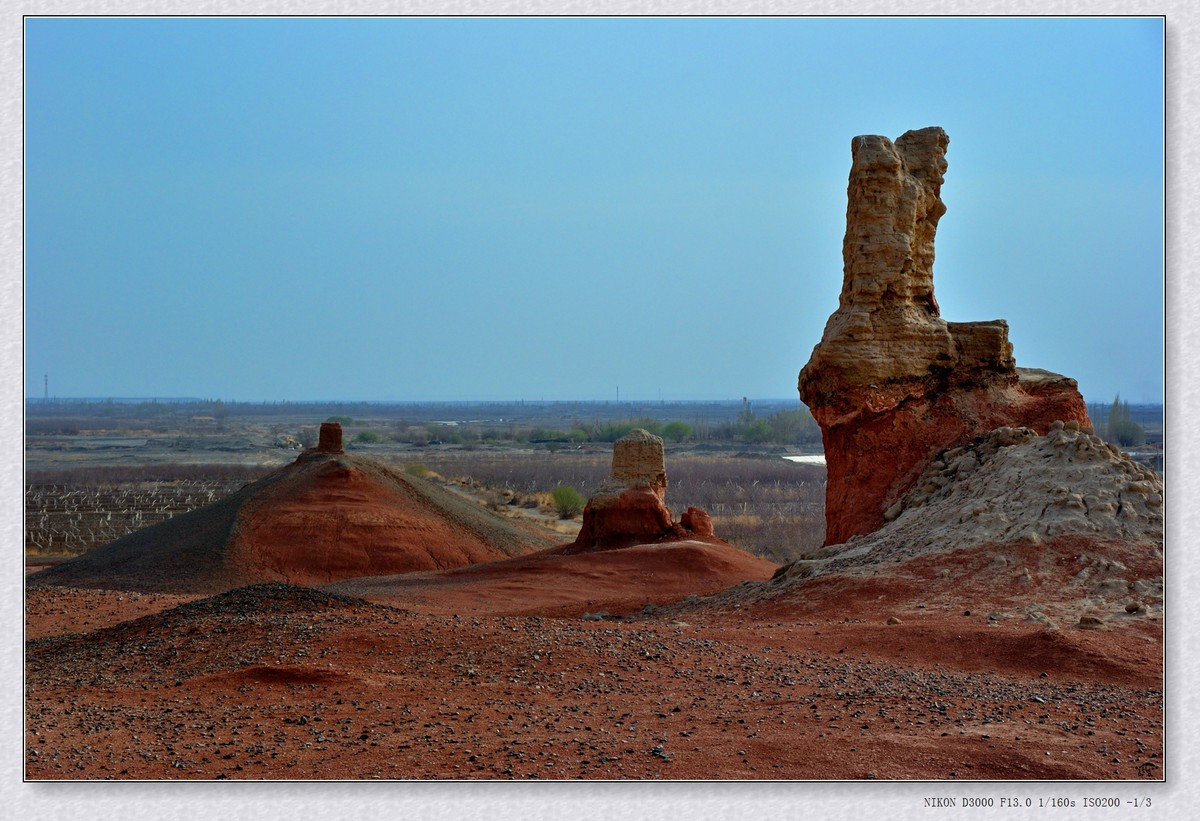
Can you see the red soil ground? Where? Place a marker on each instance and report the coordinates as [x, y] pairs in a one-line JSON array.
[[570, 585], [504, 671]]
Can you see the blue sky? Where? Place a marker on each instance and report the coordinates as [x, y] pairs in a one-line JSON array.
[[448, 209]]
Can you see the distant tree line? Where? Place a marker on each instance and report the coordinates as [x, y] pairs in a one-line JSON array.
[[550, 424], [1115, 423], [785, 427]]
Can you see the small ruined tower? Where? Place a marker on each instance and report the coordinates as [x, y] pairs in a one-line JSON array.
[[628, 508], [638, 462], [331, 438]]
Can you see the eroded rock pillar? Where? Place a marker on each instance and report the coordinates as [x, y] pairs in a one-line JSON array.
[[891, 383]]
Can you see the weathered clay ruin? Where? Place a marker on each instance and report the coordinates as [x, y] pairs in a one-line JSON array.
[[331, 438], [628, 509], [891, 383]]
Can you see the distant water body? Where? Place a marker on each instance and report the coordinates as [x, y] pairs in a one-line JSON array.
[[808, 459]]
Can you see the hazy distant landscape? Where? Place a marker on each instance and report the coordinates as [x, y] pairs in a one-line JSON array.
[[98, 469]]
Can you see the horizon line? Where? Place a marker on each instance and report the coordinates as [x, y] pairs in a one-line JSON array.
[[33, 400]]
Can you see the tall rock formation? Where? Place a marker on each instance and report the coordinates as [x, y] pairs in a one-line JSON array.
[[628, 509], [891, 383]]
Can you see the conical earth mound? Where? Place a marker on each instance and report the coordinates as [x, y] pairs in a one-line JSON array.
[[325, 517]]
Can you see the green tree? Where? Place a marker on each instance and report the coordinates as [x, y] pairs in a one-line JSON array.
[[677, 431], [1122, 430], [757, 431]]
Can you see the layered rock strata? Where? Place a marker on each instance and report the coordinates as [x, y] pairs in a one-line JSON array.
[[628, 508], [891, 383]]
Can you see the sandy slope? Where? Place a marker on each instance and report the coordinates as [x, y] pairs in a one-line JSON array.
[[551, 583]]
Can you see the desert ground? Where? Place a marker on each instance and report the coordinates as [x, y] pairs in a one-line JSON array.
[[559, 676], [669, 661]]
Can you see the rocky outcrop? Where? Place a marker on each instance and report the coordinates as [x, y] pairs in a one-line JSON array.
[[628, 509], [1058, 529], [891, 383], [697, 521], [1040, 526], [1012, 485]]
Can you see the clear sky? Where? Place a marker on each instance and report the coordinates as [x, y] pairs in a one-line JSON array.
[[452, 209]]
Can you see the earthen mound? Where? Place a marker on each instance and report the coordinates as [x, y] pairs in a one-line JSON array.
[[327, 516], [891, 382], [210, 636], [629, 553], [1013, 485]]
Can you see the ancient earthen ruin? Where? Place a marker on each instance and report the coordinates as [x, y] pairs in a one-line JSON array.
[[628, 509], [331, 438], [891, 383]]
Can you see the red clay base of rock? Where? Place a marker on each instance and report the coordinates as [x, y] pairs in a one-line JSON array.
[[873, 460], [633, 516]]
